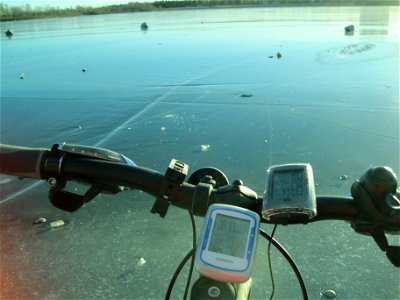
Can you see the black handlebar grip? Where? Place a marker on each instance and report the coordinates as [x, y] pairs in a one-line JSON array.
[[22, 162]]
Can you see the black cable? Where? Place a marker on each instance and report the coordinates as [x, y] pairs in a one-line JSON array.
[[177, 271], [290, 260], [192, 261], [183, 262], [270, 264]]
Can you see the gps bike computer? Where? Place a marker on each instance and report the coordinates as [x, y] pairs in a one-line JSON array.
[[290, 194], [227, 243]]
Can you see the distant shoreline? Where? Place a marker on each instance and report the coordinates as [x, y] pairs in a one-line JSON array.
[[26, 12]]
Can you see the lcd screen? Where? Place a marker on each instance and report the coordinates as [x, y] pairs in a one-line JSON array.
[[229, 236], [289, 185]]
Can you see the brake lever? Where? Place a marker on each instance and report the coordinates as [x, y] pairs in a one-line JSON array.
[[392, 252], [72, 202], [376, 195]]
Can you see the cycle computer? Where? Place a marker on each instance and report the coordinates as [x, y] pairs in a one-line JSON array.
[[290, 194], [227, 243]]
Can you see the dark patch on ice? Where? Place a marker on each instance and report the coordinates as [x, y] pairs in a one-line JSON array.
[[144, 26], [349, 30], [355, 53], [355, 48], [9, 33], [246, 95], [73, 127], [125, 275], [195, 84], [131, 270]]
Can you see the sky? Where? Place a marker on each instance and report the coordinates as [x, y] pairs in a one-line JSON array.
[[68, 3]]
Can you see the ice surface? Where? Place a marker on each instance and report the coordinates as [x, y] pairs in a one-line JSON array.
[[331, 100]]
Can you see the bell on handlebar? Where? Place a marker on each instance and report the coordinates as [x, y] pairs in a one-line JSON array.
[[376, 195], [209, 175], [372, 189]]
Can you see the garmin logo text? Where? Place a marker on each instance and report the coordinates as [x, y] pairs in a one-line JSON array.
[[224, 260]]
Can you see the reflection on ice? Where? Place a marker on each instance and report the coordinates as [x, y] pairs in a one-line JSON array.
[[5, 180]]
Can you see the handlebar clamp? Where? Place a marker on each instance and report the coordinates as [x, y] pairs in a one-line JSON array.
[[53, 167], [174, 177]]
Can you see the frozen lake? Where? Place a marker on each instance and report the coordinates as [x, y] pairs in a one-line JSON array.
[[331, 100]]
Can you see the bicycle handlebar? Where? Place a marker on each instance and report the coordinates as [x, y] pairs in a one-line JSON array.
[[373, 209], [149, 181], [21, 161], [37, 163]]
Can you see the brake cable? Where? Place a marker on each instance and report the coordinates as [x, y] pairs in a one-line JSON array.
[[270, 263], [192, 261], [290, 260], [189, 255]]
